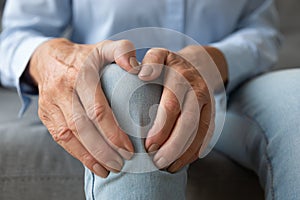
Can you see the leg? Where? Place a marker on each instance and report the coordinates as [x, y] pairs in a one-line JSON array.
[[132, 102], [262, 131]]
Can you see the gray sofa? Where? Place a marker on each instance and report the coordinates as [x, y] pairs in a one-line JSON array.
[[23, 140]]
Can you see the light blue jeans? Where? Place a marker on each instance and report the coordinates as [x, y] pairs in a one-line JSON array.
[[261, 132]]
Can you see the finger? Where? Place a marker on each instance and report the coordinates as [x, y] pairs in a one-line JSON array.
[[183, 161], [153, 63], [88, 135], [99, 112], [183, 133], [121, 51], [207, 124], [60, 132], [192, 152], [175, 88], [167, 114]]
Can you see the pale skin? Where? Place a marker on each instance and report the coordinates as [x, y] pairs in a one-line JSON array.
[[86, 127]]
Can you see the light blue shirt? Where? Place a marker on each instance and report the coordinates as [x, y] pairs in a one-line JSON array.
[[244, 30]]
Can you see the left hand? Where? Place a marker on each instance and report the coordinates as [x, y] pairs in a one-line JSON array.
[[186, 112]]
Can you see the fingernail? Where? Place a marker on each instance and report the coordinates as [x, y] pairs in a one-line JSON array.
[[153, 147], [176, 165], [134, 64], [127, 155], [128, 147], [146, 71], [114, 165], [161, 163], [99, 170]]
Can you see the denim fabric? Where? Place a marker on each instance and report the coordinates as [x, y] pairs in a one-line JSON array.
[[262, 132], [134, 104]]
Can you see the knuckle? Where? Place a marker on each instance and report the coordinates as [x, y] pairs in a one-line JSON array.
[[172, 56], [114, 139], [42, 115], [202, 93], [87, 159], [125, 43], [62, 135], [172, 105], [188, 74], [205, 125], [77, 120], [51, 130], [100, 155], [201, 85], [174, 60], [96, 113], [53, 110], [153, 55]]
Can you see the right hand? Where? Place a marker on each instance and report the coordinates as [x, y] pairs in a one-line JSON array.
[[72, 104]]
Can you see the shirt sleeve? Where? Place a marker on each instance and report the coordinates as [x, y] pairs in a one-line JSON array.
[[253, 47], [27, 24]]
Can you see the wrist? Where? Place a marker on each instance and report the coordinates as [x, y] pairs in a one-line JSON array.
[[220, 61], [192, 53], [42, 55], [26, 81]]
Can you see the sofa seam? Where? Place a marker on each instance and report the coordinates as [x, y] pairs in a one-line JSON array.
[[33, 178]]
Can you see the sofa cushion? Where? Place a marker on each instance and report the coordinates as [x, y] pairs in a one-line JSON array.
[[32, 165]]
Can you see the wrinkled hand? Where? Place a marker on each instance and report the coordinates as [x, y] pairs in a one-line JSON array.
[[72, 104], [186, 111]]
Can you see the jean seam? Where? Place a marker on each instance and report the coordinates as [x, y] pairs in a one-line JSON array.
[[93, 186], [269, 162]]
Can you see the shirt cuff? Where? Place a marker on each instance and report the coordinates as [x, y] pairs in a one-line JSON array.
[[240, 64], [24, 54]]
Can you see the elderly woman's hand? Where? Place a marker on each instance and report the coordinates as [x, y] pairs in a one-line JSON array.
[[72, 104], [186, 112]]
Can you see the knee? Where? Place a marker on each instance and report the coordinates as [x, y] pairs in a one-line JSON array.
[[119, 84], [134, 102]]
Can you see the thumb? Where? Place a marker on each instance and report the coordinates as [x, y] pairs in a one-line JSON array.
[[122, 52], [153, 64]]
